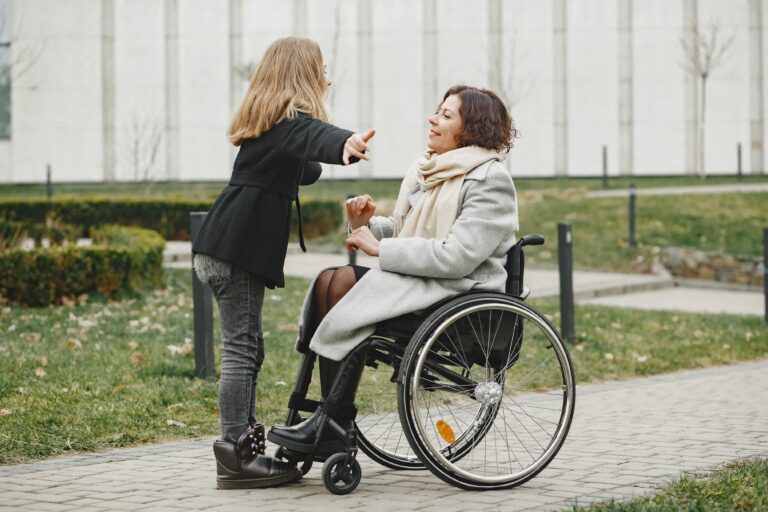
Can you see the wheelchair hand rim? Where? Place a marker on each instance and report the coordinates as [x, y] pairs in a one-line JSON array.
[[567, 385]]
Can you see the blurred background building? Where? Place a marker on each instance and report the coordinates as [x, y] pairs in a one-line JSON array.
[[144, 89]]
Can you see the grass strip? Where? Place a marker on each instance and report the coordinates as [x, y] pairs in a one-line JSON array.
[[739, 486], [378, 188]]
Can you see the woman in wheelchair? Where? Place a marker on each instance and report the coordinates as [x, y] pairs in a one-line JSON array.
[[453, 223]]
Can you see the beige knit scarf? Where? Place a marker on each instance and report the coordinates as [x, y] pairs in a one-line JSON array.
[[440, 177]]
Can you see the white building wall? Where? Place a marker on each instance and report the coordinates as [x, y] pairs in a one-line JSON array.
[[5, 161], [139, 90], [727, 89], [659, 92], [592, 85], [57, 104]]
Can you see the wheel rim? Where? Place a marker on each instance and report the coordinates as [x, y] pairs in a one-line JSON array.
[[509, 418], [379, 429]]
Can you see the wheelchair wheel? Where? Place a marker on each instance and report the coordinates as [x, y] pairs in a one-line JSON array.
[[379, 431], [486, 392], [339, 477]]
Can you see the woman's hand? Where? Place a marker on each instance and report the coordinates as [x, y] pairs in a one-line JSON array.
[[356, 146], [360, 210], [363, 239]]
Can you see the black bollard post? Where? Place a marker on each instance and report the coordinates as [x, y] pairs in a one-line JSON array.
[[765, 271], [202, 301], [632, 201], [48, 183], [605, 166], [565, 265], [352, 255], [738, 160]]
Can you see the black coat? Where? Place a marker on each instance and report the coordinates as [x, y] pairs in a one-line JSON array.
[[250, 222]]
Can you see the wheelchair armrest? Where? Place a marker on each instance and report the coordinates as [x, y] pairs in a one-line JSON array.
[[531, 240]]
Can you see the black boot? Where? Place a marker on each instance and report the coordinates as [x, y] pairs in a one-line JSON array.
[[339, 404], [243, 465]]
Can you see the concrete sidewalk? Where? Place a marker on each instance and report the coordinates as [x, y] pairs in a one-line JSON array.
[[750, 188], [627, 439], [644, 291]]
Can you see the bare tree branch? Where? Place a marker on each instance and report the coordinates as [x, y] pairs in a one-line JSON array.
[[515, 85], [142, 140], [703, 52]]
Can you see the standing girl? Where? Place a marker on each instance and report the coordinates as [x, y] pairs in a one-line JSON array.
[[282, 131]]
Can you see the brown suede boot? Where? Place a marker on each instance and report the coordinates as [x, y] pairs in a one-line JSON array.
[[243, 466]]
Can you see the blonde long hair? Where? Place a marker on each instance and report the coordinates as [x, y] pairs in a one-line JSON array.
[[290, 79]]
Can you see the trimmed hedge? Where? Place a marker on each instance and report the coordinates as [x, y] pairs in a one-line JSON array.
[[167, 216], [56, 233], [121, 259]]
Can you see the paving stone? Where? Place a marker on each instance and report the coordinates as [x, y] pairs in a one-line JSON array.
[[628, 438]]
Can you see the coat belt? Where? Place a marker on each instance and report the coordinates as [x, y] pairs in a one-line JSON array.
[[250, 179]]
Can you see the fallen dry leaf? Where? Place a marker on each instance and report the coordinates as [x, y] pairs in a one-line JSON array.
[[40, 372], [174, 349], [43, 361], [175, 423], [74, 343], [5, 412], [82, 299], [133, 344], [137, 357], [85, 323]]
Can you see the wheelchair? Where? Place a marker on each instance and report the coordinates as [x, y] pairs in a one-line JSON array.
[[482, 384]]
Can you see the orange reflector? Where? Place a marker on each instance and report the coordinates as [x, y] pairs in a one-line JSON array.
[[446, 432]]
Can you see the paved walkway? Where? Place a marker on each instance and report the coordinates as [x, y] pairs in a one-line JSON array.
[[627, 439], [695, 189]]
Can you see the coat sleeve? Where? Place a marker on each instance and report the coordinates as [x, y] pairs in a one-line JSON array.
[[382, 227], [307, 138], [488, 217], [312, 172]]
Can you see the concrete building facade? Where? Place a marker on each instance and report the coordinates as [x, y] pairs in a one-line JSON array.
[[144, 89]]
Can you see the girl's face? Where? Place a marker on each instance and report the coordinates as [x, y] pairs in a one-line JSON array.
[[445, 126], [327, 75]]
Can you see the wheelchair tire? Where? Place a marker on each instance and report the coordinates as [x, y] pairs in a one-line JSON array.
[[379, 431], [486, 392], [340, 478]]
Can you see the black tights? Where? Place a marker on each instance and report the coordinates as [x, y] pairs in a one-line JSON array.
[[331, 285]]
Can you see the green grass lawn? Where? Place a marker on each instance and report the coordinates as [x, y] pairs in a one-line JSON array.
[[741, 486], [338, 189], [100, 375], [729, 223]]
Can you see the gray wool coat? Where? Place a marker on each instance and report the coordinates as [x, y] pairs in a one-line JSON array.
[[415, 273]]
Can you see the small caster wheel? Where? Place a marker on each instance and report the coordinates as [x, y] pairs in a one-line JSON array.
[[340, 477]]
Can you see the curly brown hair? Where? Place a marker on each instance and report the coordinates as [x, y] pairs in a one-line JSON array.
[[485, 118]]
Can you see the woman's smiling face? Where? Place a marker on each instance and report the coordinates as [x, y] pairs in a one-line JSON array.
[[445, 126]]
